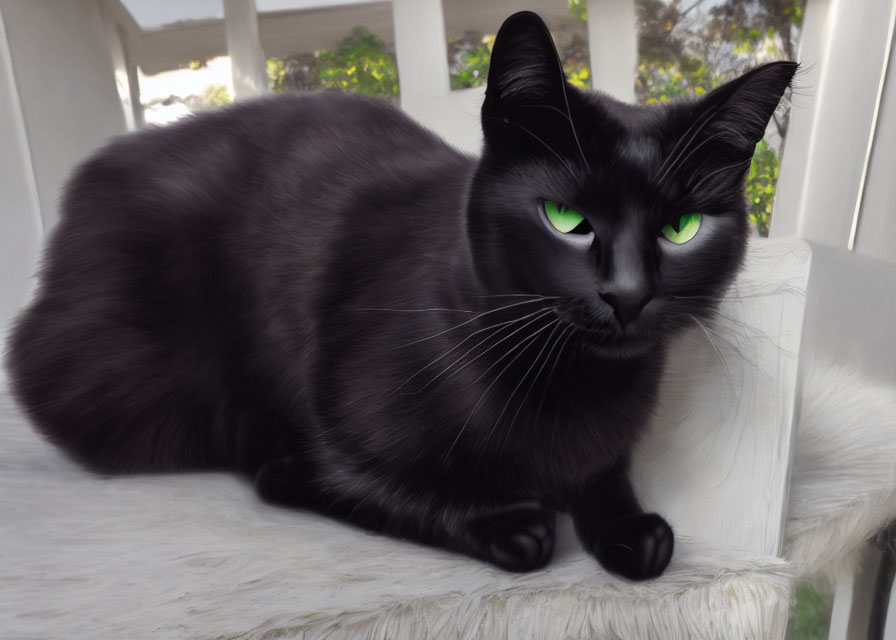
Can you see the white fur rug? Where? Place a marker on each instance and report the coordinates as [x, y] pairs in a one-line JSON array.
[[843, 484], [198, 556]]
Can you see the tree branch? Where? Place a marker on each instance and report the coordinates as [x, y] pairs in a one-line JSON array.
[[689, 9]]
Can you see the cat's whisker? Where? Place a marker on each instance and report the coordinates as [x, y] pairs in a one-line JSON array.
[[735, 346], [575, 135], [672, 158], [736, 295], [751, 331], [721, 356], [734, 165], [524, 344], [545, 144], [470, 362], [732, 345], [758, 335], [531, 336], [547, 386], [538, 315], [462, 324], [414, 310], [680, 162], [556, 325], [495, 328], [518, 295], [544, 363], [568, 118], [543, 106]]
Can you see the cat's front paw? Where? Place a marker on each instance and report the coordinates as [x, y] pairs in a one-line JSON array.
[[518, 537], [637, 547]]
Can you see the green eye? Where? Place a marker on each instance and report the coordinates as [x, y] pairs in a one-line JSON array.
[[688, 226], [564, 219]]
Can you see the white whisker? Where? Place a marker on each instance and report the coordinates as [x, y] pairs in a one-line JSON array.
[[496, 329], [524, 344], [556, 324], [545, 144], [414, 310], [535, 379], [462, 324], [541, 314]]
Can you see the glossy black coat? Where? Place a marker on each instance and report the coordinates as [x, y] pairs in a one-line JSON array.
[[318, 291]]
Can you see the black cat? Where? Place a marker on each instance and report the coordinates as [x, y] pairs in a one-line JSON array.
[[318, 291]]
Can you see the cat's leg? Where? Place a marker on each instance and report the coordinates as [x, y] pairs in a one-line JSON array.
[[614, 528], [516, 536]]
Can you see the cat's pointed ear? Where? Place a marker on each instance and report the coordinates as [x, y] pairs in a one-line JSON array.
[[524, 72], [524, 65], [739, 111]]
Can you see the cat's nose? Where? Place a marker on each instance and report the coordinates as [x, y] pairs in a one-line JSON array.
[[627, 304]]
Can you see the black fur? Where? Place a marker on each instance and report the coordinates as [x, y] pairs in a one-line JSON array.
[[318, 291]]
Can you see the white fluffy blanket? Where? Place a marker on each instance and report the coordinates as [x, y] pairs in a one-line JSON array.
[[198, 556], [843, 486]]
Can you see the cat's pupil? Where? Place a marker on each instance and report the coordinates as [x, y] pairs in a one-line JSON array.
[[582, 228], [676, 224]]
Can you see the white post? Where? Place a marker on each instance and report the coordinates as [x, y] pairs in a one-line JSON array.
[[613, 42], [853, 598], [124, 79], [890, 625], [420, 50], [19, 205], [843, 51], [244, 48], [134, 85]]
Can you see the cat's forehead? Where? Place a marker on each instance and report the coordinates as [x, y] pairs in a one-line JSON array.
[[628, 136], [641, 151]]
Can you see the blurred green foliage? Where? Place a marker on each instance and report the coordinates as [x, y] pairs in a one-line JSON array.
[[472, 69], [810, 617], [276, 72], [361, 63], [216, 95], [579, 9], [761, 183]]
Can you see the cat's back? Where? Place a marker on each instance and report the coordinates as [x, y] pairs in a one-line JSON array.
[[286, 141], [178, 247]]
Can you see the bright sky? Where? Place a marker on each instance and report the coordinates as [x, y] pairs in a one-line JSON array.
[[181, 83], [185, 82]]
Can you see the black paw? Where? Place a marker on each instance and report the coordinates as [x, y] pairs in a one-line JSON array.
[[518, 538], [637, 547]]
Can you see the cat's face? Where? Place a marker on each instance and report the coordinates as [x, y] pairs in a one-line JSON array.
[[631, 220]]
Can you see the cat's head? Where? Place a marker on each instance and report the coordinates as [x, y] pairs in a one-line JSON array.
[[632, 219]]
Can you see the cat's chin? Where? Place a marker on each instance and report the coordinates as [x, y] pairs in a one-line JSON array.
[[608, 343], [626, 349], [619, 347]]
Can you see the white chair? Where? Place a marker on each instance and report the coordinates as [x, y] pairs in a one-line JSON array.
[[200, 556]]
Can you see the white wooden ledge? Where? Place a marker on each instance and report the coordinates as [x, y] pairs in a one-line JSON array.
[[198, 556]]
